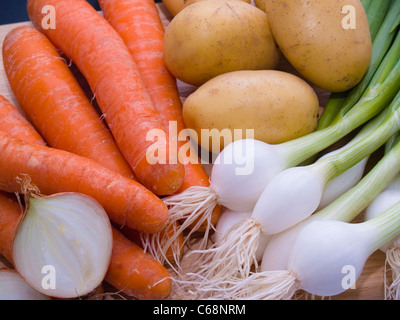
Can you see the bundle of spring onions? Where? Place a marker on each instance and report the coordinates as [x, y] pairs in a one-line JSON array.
[[295, 193], [238, 191], [280, 277]]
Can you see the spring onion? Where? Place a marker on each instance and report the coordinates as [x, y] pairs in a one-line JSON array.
[[326, 259], [325, 250], [62, 247], [276, 255], [290, 197]]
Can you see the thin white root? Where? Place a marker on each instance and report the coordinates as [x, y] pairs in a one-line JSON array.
[[192, 209], [269, 285], [392, 288], [220, 265]]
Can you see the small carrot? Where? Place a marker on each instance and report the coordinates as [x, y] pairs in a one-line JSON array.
[[139, 25], [126, 256], [85, 37], [10, 212], [142, 276], [52, 170], [54, 102], [13, 122]]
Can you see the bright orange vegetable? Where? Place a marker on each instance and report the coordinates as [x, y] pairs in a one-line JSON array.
[[10, 212], [52, 170], [54, 102], [136, 272], [85, 37], [13, 122], [126, 257], [139, 24]]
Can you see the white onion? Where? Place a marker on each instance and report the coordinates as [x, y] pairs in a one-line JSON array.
[[14, 287], [290, 197], [326, 259], [241, 172], [238, 176], [62, 247], [323, 250]]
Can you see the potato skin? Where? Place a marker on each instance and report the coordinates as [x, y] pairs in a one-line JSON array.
[[279, 106], [260, 4], [311, 36], [211, 37], [175, 6]]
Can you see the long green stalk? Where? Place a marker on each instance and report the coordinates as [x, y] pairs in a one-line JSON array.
[[385, 226], [376, 13], [365, 4], [383, 19], [349, 205], [369, 143]]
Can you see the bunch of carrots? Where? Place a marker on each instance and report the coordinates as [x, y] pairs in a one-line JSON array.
[[67, 145]]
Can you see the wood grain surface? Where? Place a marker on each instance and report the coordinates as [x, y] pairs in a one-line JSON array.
[[369, 286]]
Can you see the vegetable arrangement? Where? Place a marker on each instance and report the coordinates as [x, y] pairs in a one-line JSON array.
[[88, 196]]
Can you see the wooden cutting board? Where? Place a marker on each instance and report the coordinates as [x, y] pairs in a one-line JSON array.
[[370, 284]]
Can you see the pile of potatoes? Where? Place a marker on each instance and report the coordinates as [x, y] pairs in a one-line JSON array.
[[231, 51]]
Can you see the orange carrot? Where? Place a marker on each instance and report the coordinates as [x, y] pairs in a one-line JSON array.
[[85, 37], [54, 102], [13, 122], [138, 23], [52, 170], [142, 276], [10, 212], [120, 271]]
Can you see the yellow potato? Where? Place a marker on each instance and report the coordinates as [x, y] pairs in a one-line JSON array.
[[260, 4], [277, 105], [175, 6], [328, 42], [211, 37]]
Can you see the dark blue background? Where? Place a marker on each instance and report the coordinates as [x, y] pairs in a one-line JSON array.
[[15, 10]]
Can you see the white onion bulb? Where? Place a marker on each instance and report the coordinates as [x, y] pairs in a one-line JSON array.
[[241, 172], [62, 247], [290, 197]]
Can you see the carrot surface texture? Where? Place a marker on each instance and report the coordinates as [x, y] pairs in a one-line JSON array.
[[14, 123], [54, 102], [140, 26], [10, 212], [52, 170], [99, 52], [131, 270]]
